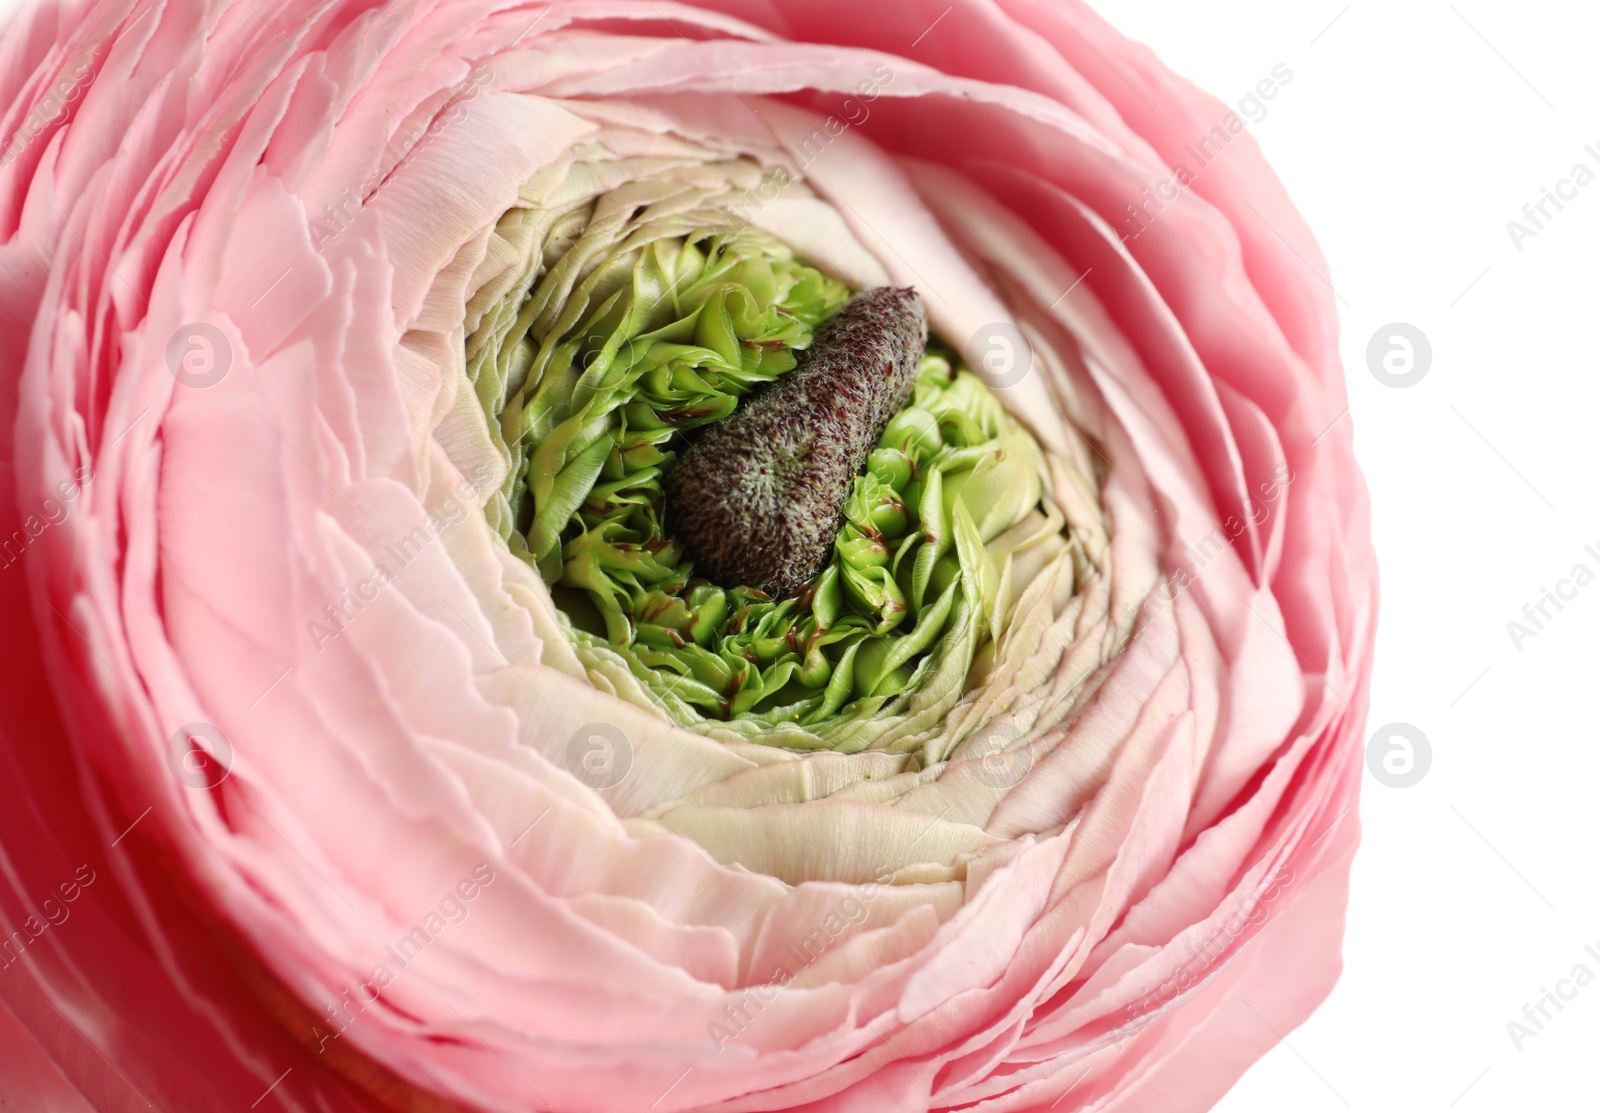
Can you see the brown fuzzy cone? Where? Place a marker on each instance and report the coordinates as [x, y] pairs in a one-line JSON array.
[[759, 498]]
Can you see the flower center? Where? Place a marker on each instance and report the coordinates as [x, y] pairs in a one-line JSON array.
[[759, 503]]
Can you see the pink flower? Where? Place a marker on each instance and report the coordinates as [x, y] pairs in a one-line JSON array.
[[313, 799]]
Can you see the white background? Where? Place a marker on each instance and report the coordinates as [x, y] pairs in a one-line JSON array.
[[1410, 135]]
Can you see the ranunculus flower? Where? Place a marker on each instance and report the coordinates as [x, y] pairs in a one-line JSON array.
[[371, 740]]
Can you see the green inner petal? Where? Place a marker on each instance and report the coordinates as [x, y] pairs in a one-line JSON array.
[[603, 374]]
